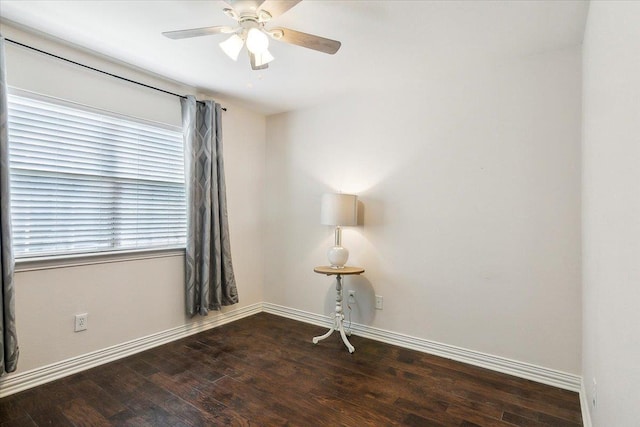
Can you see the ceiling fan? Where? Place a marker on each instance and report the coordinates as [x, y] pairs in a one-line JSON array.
[[252, 16]]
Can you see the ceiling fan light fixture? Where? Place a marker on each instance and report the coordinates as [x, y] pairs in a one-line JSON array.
[[257, 41], [251, 17], [232, 46], [263, 58]]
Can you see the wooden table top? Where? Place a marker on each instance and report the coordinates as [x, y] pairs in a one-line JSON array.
[[344, 271]]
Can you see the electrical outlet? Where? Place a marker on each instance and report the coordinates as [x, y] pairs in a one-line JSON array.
[[378, 302], [81, 322], [351, 296]]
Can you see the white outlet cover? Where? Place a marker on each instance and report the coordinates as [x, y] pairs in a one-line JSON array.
[[81, 322], [379, 302]]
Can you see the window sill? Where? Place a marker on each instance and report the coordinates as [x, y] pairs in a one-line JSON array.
[[63, 261]]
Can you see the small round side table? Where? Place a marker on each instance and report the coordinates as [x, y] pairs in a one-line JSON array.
[[338, 322]]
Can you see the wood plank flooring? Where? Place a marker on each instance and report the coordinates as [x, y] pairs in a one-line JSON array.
[[264, 370]]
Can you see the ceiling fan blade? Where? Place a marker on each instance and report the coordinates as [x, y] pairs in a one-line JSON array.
[[197, 32], [309, 41], [278, 7], [254, 66]]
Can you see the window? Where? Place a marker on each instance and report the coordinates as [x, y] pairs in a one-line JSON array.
[[84, 180]]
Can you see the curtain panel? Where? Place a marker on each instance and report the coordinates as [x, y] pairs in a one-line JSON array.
[[8, 336], [209, 279]]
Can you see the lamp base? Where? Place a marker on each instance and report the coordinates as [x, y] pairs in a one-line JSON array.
[[338, 256]]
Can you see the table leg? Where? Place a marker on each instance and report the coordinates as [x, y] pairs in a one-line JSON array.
[[338, 324], [321, 337]]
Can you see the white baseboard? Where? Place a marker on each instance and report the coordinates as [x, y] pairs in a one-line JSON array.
[[14, 383], [496, 363], [584, 406]]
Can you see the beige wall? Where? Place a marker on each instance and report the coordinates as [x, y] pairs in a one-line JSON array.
[[611, 213], [129, 299], [470, 181]]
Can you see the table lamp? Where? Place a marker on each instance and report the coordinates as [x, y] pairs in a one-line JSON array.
[[338, 210]]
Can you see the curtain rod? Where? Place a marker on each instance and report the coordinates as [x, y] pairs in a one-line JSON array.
[[98, 70]]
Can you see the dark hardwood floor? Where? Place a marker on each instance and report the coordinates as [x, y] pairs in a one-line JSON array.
[[264, 370]]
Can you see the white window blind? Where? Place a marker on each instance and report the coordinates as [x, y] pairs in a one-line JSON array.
[[84, 180]]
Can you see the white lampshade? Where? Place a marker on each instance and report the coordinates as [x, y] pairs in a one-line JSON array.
[[232, 46], [339, 209], [257, 41], [263, 58]]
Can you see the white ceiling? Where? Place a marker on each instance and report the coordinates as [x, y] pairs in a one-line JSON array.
[[382, 41]]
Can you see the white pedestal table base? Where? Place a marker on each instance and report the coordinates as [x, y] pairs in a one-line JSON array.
[[338, 321]]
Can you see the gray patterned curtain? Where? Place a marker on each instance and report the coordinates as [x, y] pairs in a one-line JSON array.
[[210, 282], [8, 337]]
